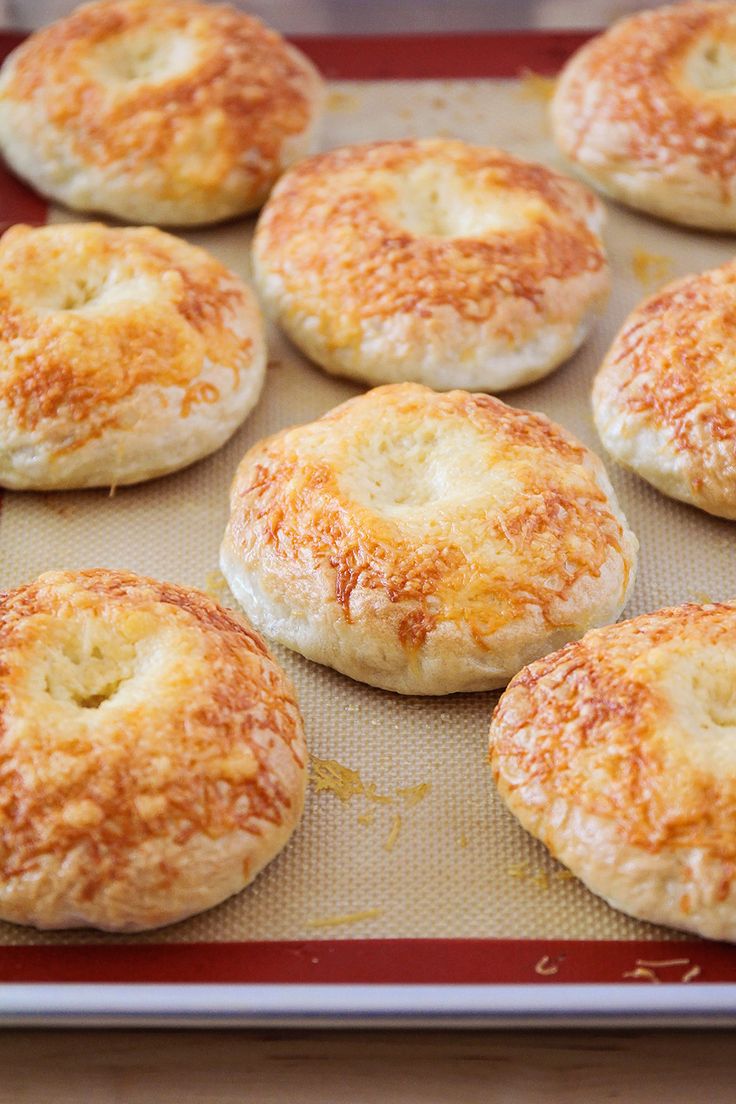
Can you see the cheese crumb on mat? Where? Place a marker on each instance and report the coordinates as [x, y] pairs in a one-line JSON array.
[[393, 835], [534, 86], [331, 776], [414, 794], [650, 269], [372, 795], [342, 101], [328, 774], [644, 964], [663, 962]]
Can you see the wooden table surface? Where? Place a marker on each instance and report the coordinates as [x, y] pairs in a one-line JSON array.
[[463, 1067]]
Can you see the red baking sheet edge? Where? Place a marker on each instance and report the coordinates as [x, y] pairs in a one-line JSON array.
[[390, 961], [375, 961]]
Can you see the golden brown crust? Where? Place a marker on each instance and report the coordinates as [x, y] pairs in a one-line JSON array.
[[617, 752], [95, 321], [334, 199], [83, 365], [97, 774], [669, 378], [647, 100], [639, 62], [294, 501], [242, 95], [432, 261], [532, 524]]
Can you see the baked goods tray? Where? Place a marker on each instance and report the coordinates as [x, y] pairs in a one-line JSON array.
[[409, 895]]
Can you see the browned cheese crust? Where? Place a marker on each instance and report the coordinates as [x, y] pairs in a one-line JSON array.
[[665, 396], [230, 109], [151, 752], [618, 752], [433, 261], [316, 210], [432, 522], [116, 348], [647, 111]]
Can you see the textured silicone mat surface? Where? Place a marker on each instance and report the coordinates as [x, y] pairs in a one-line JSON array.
[[416, 843]]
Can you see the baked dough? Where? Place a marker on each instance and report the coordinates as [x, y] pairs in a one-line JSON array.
[[619, 753], [124, 354], [152, 752], [664, 400], [157, 111], [647, 112], [434, 261], [426, 543]]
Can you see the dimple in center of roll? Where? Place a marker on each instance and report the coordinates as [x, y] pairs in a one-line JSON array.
[[88, 290], [88, 676], [422, 470], [711, 66], [433, 199], [138, 56], [701, 685], [90, 662]]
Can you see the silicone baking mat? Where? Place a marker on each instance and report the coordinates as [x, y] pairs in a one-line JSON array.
[[407, 867]]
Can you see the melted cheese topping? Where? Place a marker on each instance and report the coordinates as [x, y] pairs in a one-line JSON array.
[[366, 493], [636, 724], [412, 226], [90, 314], [672, 368], [659, 86], [200, 90], [134, 715]]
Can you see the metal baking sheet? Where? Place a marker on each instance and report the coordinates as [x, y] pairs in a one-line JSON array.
[[409, 895]]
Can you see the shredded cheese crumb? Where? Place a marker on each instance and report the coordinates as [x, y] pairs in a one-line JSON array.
[[663, 962], [328, 774], [519, 870], [463, 840], [546, 967], [198, 393], [345, 918], [382, 799], [393, 835], [333, 777], [644, 973], [650, 269], [534, 86], [414, 794], [342, 101]]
